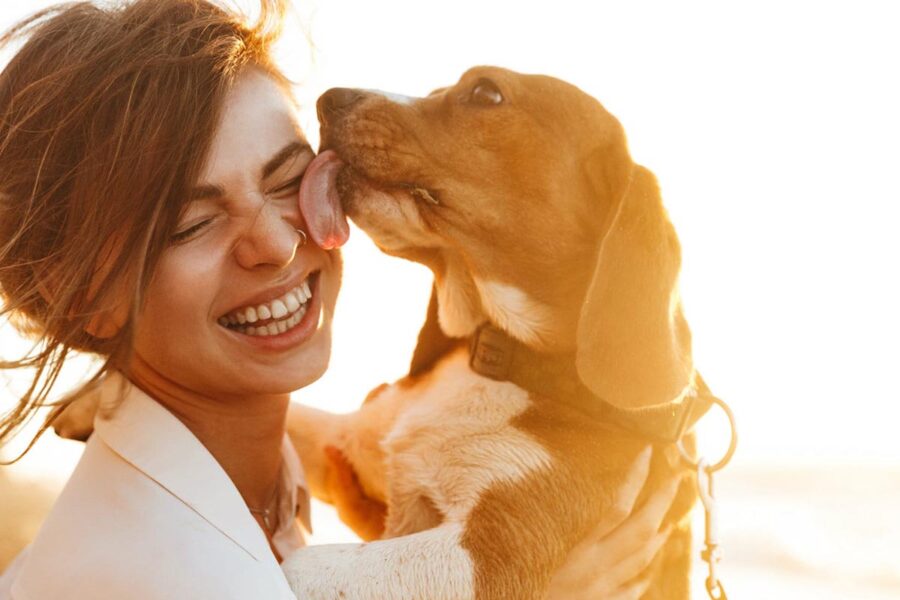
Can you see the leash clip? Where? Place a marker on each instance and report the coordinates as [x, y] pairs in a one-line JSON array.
[[732, 446], [712, 553]]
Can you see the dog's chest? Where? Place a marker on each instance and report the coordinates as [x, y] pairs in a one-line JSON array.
[[456, 437]]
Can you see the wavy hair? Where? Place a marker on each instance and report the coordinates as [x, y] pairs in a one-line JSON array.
[[106, 116]]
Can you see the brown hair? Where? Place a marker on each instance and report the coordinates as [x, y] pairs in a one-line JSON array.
[[106, 116]]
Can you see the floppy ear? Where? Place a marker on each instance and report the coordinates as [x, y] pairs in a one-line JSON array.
[[633, 344], [433, 343]]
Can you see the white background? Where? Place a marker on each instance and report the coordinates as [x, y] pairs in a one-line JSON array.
[[773, 128]]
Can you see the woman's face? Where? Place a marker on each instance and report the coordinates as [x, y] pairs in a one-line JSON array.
[[227, 311]]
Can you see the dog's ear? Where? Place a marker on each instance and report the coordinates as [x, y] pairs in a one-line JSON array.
[[433, 343], [633, 344]]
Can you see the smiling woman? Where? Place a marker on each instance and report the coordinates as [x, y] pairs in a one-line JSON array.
[[236, 253], [80, 238], [135, 224]]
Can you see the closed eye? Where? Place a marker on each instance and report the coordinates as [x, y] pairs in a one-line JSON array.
[[186, 234], [290, 186]]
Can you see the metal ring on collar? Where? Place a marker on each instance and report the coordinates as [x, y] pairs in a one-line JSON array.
[[303, 237], [731, 446]]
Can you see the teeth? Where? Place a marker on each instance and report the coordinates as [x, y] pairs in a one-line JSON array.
[[289, 305], [264, 313], [279, 310], [292, 303]]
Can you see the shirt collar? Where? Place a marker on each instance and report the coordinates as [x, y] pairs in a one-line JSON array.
[[155, 442]]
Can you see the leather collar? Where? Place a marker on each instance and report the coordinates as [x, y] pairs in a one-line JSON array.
[[498, 356]]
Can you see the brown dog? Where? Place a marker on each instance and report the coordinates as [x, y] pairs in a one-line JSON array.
[[561, 350]]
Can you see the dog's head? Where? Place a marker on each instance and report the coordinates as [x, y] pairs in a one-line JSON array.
[[518, 192]]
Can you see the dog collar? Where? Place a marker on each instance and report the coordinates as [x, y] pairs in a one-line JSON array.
[[498, 356]]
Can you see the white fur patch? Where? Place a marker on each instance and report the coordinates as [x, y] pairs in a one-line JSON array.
[[430, 564], [515, 312], [459, 307], [456, 440]]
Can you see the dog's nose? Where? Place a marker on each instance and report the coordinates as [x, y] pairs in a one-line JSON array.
[[336, 101]]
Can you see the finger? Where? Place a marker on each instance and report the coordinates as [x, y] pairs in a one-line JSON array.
[[627, 493], [638, 561], [644, 523], [633, 591], [585, 582]]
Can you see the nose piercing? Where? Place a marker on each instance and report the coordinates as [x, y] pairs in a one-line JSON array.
[[303, 237]]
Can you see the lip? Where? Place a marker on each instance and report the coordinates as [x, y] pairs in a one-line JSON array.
[[296, 336], [270, 294]]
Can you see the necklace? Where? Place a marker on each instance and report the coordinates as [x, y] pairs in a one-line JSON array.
[[268, 512]]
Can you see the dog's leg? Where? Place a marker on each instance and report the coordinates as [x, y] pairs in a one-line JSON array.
[[311, 430], [76, 421], [428, 565], [358, 436]]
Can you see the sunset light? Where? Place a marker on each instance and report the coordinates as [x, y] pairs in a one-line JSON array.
[[773, 129]]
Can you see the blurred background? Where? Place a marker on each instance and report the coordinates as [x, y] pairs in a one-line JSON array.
[[773, 128]]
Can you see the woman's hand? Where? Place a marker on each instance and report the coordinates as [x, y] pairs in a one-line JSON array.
[[610, 561]]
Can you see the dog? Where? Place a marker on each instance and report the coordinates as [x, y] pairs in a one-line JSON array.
[[555, 348]]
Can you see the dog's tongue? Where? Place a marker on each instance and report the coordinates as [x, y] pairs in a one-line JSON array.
[[320, 204]]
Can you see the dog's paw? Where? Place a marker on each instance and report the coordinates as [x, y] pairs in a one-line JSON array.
[[76, 421]]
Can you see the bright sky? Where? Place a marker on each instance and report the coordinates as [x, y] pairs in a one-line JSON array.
[[773, 128]]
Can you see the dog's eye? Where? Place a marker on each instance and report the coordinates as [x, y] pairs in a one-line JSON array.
[[486, 93]]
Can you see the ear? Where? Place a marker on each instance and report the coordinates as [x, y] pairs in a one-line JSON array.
[[633, 344], [107, 323], [433, 343], [102, 325]]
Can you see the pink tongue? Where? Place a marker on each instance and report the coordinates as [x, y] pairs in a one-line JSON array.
[[320, 204]]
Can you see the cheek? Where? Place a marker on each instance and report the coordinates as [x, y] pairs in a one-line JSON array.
[[331, 279], [177, 301]]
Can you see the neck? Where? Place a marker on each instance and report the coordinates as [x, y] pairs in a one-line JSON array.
[[243, 434]]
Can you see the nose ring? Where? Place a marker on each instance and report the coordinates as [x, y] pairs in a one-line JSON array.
[[303, 237]]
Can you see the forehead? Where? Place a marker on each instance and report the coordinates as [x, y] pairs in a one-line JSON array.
[[258, 118]]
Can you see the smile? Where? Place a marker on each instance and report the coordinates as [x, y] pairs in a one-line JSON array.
[[272, 318]]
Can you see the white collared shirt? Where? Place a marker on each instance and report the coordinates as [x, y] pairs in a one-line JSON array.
[[149, 514]]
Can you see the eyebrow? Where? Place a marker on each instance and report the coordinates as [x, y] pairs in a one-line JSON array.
[[202, 192], [289, 151]]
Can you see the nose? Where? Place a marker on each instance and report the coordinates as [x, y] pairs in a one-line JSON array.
[[335, 102], [270, 240]]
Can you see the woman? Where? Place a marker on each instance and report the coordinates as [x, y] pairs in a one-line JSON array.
[[150, 168]]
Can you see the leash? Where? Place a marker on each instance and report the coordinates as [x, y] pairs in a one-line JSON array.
[[712, 552]]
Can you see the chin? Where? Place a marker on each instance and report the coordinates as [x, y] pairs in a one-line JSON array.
[[307, 367]]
